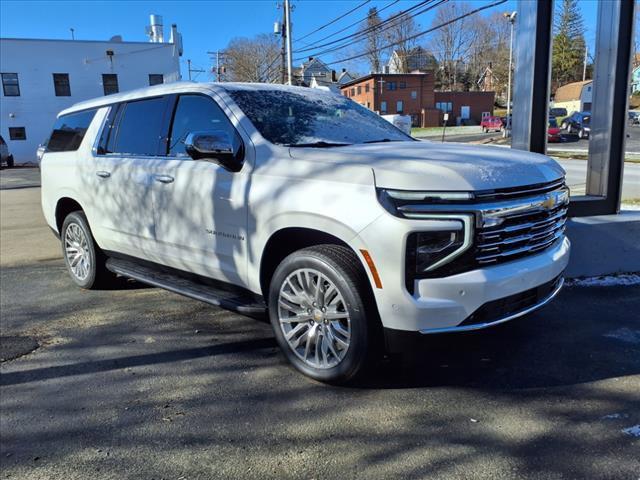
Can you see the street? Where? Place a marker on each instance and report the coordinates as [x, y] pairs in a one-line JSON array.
[[135, 382], [571, 144]]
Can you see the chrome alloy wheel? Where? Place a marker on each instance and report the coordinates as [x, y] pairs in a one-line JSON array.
[[314, 319], [76, 249]]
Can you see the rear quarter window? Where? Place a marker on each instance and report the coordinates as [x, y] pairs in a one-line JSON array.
[[69, 131]]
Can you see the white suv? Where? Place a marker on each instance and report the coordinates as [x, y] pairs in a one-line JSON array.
[[353, 236]]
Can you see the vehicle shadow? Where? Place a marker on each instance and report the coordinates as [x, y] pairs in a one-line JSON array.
[[577, 339]]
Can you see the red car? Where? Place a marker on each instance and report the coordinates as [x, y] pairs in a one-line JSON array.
[[491, 123], [553, 132]]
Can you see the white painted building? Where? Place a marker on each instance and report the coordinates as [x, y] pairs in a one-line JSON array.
[[42, 77]]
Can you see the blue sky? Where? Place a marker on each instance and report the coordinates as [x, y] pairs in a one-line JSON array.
[[205, 25]]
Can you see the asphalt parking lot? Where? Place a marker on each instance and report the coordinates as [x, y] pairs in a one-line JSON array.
[[135, 382]]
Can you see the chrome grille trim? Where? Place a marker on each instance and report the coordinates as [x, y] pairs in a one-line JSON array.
[[523, 233], [520, 191]]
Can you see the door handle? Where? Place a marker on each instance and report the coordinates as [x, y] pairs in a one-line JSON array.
[[103, 174], [163, 178]]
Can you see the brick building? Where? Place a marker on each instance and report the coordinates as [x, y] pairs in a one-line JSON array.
[[388, 93], [414, 94], [469, 107]]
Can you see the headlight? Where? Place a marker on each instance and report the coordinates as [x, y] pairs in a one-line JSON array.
[[429, 196], [427, 250]]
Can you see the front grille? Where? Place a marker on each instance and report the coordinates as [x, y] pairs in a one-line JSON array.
[[512, 305], [520, 235]]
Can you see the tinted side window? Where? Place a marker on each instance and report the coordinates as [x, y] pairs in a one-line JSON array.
[[69, 130], [196, 113], [139, 129]]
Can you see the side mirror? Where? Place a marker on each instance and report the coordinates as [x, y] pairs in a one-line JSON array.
[[215, 146]]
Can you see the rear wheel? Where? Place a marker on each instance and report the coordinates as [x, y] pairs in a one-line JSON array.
[[10, 162], [318, 310], [84, 259]]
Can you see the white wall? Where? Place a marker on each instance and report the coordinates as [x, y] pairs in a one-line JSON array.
[[36, 60]]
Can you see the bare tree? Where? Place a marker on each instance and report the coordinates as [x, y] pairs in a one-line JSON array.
[[398, 33], [253, 59], [453, 42], [373, 40]]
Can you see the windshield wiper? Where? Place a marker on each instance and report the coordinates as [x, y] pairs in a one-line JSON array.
[[382, 140], [320, 144]]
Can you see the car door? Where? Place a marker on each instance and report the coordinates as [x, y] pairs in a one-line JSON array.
[[129, 149], [200, 207]]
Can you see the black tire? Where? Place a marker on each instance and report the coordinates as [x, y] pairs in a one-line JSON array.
[[341, 266], [10, 162], [98, 275]]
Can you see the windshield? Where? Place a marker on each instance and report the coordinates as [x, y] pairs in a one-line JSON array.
[[311, 117]]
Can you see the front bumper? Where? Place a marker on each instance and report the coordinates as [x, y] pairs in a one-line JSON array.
[[445, 303]]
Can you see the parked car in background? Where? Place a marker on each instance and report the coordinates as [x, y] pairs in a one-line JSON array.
[[634, 117], [298, 204], [579, 123], [491, 123], [553, 131], [5, 156], [557, 112]]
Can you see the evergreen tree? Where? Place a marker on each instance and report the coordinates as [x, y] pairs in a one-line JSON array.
[[568, 44]]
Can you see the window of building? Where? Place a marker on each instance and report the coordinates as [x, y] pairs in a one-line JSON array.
[[414, 94], [17, 133], [353, 91], [402, 84], [383, 106], [156, 79], [10, 85], [110, 83], [399, 106], [196, 113], [366, 88], [61, 84], [369, 105], [69, 130], [359, 90], [444, 106], [392, 85], [139, 128]]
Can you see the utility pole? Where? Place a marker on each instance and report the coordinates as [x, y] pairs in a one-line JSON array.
[[511, 17], [219, 69], [584, 68], [287, 28], [194, 70], [283, 48]]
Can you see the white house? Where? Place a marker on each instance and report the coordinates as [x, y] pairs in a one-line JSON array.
[[42, 77], [575, 97]]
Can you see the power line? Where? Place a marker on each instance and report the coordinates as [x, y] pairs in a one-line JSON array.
[[384, 25], [412, 37], [350, 25], [333, 21]]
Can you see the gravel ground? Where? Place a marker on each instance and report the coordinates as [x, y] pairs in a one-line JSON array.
[[139, 383]]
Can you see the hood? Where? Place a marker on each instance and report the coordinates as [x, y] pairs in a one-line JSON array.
[[426, 165]]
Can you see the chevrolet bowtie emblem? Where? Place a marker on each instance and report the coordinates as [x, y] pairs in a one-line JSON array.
[[549, 202]]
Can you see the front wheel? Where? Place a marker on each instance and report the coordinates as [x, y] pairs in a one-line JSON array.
[[318, 309]]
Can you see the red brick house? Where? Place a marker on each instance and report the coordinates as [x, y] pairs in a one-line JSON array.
[[414, 94]]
